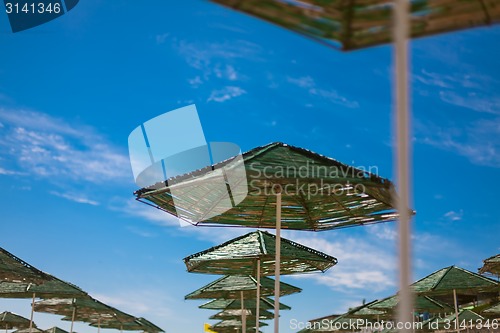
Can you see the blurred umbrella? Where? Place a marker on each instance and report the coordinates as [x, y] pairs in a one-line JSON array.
[[21, 280], [81, 309], [288, 187], [9, 320], [456, 284], [491, 265], [254, 253], [222, 304]]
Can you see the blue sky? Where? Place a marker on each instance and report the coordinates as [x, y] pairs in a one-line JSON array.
[[73, 89]]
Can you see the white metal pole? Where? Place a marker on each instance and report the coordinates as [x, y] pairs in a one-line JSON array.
[[72, 319], [277, 264], [257, 304], [402, 155]]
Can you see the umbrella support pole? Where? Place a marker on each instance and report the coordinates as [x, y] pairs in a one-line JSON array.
[[257, 303], [277, 264], [455, 301], [72, 319], [243, 317], [32, 310], [401, 155]]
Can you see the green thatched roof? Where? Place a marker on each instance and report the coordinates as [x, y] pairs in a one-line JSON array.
[[465, 318], [349, 25], [318, 193], [222, 303], [239, 256], [493, 310], [235, 323], [55, 329], [231, 286], [9, 320], [445, 280], [28, 330], [491, 265], [236, 314], [137, 324], [421, 303], [18, 279]]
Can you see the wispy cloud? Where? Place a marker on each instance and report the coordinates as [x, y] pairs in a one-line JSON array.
[[75, 198], [331, 95], [10, 172], [225, 94], [161, 38], [474, 101], [478, 141], [43, 146], [454, 216]]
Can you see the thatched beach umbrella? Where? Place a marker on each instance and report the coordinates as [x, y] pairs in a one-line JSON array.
[[21, 280], [254, 253], [455, 284], [9, 320], [55, 329], [243, 287], [288, 187], [491, 266], [223, 304], [236, 325], [420, 303], [236, 314], [137, 324], [81, 309]]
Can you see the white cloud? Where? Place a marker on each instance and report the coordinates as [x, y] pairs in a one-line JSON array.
[[9, 172], [454, 216], [75, 197], [225, 94], [473, 101], [195, 82], [51, 148], [331, 95]]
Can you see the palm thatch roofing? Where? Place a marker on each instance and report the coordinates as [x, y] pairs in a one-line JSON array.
[[491, 265], [234, 323], [55, 329], [239, 256], [465, 318], [138, 324], [231, 286], [222, 304], [9, 320], [84, 309], [421, 303], [236, 314], [350, 25], [29, 330], [18, 279], [318, 192]]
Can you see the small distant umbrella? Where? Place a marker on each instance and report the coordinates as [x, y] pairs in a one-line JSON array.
[[222, 304], [138, 324], [55, 329], [254, 253], [81, 309], [29, 330], [455, 283], [233, 286], [491, 265], [236, 314], [21, 280], [9, 320]]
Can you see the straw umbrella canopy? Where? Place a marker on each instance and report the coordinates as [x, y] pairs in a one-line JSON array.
[[254, 253], [138, 324], [491, 265], [29, 330], [81, 309], [420, 303], [235, 324], [9, 320], [285, 186], [455, 284], [223, 304], [22, 280], [55, 329], [233, 286], [236, 314]]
